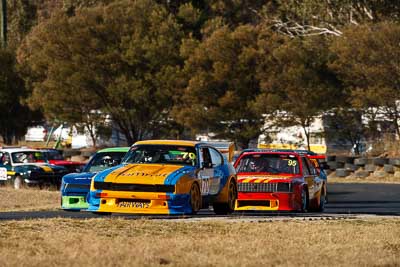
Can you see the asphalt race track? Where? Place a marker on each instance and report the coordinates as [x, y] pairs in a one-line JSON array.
[[345, 200]]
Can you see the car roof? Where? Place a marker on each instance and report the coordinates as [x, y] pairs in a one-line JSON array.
[[168, 142], [114, 149], [19, 149]]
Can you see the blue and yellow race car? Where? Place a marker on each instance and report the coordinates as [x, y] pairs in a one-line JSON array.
[[75, 186], [166, 177]]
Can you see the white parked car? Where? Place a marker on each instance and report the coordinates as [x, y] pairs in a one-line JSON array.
[[36, 133]]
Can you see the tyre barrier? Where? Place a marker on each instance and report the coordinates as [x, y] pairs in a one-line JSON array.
[[388, 168], [342, 172], [351, 167], [361, 161], [362, 167], [333, 165], [395, 162], [361, 174], [370, 167], [380, 161], [380, 174]]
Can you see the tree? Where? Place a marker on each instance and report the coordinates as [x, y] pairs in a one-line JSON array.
[[367, 61], [14, 116], [221, 85], [296, 84], [122, 59], [315, 17]]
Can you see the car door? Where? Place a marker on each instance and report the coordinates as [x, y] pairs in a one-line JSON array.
[[308, 176], [318, 182], [206, 172], [218, 176]]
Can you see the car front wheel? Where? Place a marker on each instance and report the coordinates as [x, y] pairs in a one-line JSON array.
[[228, 207], [18, 182]]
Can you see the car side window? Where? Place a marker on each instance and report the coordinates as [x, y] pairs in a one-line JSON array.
[[205, 157], [216, 157], [311, 166], [306, 170], [5, 159]]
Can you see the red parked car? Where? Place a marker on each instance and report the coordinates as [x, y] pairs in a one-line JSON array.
[[55, 157], [280, 181]]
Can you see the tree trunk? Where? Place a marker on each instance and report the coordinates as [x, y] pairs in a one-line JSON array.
[[307, 132], [92, 134]]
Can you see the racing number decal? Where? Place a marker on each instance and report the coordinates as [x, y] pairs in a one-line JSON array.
[[3, 174], [292, 163], [205, 186]]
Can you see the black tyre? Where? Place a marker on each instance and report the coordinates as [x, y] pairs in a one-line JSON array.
[[18, 182], [361, 161], [195, 198], [322, 202], [229, 207], [380, 161], [361, 174], [342, 173], [304, 200], [388, 168]]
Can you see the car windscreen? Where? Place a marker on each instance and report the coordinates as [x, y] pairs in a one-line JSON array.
[[161, 154], [104, 160], [269, 163], [28, 157], [54, 155]]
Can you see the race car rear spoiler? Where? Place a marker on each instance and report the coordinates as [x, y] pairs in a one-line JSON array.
[[226, 148]]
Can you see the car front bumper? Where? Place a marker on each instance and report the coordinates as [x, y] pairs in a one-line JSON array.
[[138, 202]]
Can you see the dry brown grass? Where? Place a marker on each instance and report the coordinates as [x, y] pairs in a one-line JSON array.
[[122, 242], [28, 199]]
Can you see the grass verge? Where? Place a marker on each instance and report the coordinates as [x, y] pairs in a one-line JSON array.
[[122, 242], [28, 199]]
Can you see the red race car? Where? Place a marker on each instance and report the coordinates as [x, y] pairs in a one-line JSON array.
[[55, 157], [279, 180]]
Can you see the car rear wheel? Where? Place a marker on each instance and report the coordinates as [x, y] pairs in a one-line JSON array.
[[18, 182], [195, 198], [229, 207], [304, 200], [322, 201]]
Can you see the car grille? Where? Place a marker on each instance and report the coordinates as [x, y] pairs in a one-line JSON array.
[[244, 203], [134, 187], [76, 186], [268, 187]]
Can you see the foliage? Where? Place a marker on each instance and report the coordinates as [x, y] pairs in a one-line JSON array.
[[96, 60], [221, 85], [296, 84], [367, 61], [15, 117]]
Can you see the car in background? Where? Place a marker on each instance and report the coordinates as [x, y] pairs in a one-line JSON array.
[[27, 167], [36, 134], [279, 180], [75, 186], [55, 157], [166, 177]]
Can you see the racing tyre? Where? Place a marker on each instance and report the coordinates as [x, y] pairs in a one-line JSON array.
[[322, 201], [229, 207], [195, 198], [304, 200], [18, 182]]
